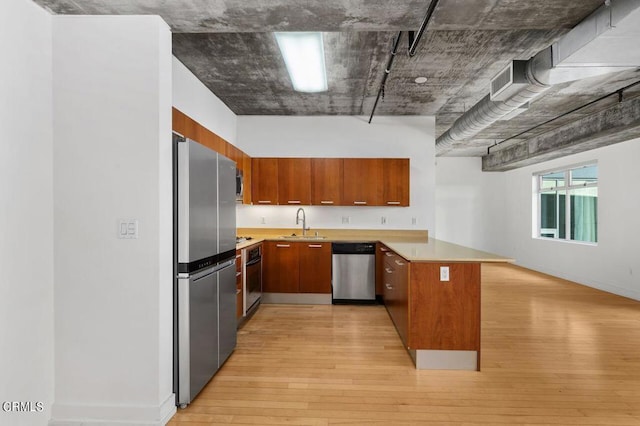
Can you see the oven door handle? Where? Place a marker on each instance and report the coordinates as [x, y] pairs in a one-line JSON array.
[[253, 262]]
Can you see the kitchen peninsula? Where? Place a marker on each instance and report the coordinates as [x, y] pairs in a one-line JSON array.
[[430, 288]]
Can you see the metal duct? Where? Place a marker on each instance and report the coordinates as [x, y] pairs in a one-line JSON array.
[[579, 54]]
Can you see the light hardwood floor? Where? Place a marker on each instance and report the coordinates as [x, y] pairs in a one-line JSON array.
[[553, 352]]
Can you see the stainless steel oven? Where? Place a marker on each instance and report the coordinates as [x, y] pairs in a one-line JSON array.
[[253, 278]]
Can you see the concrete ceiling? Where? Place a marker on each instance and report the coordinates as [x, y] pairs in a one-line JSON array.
[[229, 45]]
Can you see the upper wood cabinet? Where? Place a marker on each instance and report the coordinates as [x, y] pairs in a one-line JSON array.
[[264, 180], [330, 181], [246, 178], [362, 182], [395, 182], [327, 175], [294, 181]]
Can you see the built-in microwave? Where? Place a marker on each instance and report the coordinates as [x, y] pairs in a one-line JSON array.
[[239, 186]]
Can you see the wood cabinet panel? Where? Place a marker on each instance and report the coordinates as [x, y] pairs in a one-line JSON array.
[[327, 175], [315, 267], [396, 296], [294, 181], [264, 181], [362, 181], [445, 314], [246, 173], [395, 182], [280, 267], [381, 249]]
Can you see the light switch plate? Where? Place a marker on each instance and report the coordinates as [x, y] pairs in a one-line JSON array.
[[128, 228], [444, 273]]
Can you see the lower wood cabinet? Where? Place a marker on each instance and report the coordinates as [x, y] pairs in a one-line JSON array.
[[239, 287], [396, 292], [429, 313], [296, 267], [280, 267]]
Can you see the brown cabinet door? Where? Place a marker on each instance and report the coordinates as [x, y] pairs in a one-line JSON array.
[[362, 182], [246, 178], [264, 180], [280, 267], [396, 295], [315, 267], [380, 251], [294, 181], [327, 175], [395, 178]]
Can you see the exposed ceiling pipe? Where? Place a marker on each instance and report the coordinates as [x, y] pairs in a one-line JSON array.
[[415, 39], [564, 61], [413, 45], [387, 70]]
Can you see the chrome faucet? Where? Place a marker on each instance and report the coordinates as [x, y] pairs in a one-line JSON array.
[[304, 220]]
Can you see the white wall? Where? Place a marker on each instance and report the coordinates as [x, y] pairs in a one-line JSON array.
[[26, 222], [467, 205], [470, 204], [112, 160], [194, 99], [613, 265], [400, 137]]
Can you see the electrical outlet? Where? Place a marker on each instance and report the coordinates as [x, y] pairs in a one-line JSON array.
[[263, 220], [413, 221], [383, 220], [444, 273], [346, 219]]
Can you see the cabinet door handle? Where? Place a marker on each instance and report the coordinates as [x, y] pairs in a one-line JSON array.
[[399, 263], [360, 203], [393, 203], [283, 245], [388, 271], [293, 202], [389, 286], [315, 245], [264, 202], [326, 202]]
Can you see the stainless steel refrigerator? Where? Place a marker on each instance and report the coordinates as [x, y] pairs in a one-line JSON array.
[[205, 281]]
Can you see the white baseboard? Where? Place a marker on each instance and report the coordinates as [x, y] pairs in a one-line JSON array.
[[113, 415]]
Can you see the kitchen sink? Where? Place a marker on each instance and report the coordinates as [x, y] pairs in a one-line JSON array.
[[304, 237]]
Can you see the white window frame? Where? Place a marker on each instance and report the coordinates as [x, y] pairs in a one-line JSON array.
[[567, 187]]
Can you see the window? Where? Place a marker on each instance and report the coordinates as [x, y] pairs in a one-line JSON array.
[[567, 204]]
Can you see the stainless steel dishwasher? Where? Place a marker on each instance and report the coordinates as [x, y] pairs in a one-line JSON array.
[[353, 272]]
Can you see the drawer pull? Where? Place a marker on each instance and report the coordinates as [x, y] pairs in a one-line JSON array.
[[360, 203], [315, 245], [393, 203], [238, 274], [388, 254], [283, 245], [399, 263], [293, 202], [384, 250], [238, 256], [388, 270], [326, 202], [389, 286], [238, 291], [264, 202]]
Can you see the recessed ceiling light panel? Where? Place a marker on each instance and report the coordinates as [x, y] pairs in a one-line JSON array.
[[303, 54]]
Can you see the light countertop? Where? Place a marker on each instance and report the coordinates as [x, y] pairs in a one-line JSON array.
[[414, 246]]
